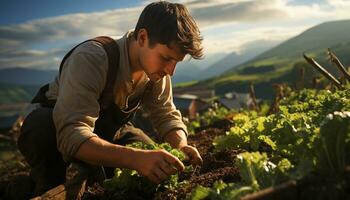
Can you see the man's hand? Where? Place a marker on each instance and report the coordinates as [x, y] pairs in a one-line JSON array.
[[177, 139], [157, 165], [192, 154]]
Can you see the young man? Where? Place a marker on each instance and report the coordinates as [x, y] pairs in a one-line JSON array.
[[79, 129]]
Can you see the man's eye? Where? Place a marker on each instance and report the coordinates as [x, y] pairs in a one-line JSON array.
[[165, 59]]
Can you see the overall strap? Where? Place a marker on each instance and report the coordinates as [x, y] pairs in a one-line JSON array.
[[112, 50]]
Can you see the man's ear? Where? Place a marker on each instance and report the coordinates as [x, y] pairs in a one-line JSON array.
[[142, 37]]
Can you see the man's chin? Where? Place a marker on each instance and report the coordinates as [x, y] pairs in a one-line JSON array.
[[155, 77]]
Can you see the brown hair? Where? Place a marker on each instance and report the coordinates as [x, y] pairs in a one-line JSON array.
[[171, 22]]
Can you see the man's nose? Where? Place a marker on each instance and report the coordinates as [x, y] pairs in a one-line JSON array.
[[170, 69]]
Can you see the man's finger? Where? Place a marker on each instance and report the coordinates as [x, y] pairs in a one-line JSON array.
[[193, 154], [153, 178], [167, 168], [173, 160], [197, 158], [160, 174], [198, 161]]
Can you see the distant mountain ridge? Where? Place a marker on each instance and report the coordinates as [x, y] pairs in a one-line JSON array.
[[19, 85], [12, 94], [25, 76], [277, 65], [318, 37], [235, 59], [282, 63]]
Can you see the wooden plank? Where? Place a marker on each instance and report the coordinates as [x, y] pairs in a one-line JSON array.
[[324, 72], [285, 191], [74, 187]]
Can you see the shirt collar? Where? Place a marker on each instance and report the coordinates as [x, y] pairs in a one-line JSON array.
[[125, 62]]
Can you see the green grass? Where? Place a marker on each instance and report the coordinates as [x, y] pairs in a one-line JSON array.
[[10, 158], [10, 94], [282, 63], [185, 84]]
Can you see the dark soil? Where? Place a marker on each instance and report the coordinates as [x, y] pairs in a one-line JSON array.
[[14, 171], [220, 166], [14, 175], [216, 166]]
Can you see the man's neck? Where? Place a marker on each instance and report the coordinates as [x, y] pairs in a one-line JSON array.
[[136, 70]]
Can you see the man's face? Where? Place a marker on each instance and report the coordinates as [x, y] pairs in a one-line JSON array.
[[160, 60]]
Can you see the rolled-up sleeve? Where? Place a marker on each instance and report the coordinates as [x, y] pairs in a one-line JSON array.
[[163, 113], [77, 108]]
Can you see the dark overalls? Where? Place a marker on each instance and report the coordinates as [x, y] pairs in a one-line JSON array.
[[37, 141]]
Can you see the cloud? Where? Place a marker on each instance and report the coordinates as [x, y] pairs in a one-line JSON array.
[[35, 63], [236, 41], [338, 3], [56, 35], [243, 11], [226, 25], [31, 53], [80, 25], [210, 13], [32, 58], [339, 8], [116, 22]]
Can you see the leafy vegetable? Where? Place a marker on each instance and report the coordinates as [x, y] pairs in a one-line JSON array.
[[128, 179], [309, 133], [220, 191], [258, 172], [333, 146]]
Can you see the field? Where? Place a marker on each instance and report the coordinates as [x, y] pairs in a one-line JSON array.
[[299, 152], [296, 147], [295, 152]]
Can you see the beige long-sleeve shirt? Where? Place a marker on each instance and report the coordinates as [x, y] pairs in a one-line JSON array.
[[80, 85]]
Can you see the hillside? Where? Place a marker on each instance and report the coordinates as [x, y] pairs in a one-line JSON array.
[[25, 76], [325, 35], [19, 85], [250, 50], [282, 63], [11, 93]]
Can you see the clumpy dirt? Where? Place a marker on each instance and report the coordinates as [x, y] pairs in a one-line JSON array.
[[220, 166], [229, 174], [216, 166], [14, 171], [14, 175]]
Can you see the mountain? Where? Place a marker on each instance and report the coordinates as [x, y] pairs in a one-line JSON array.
[[11, 93], [18, 85], [190, 70], [283, 62], [185, 71], [313, 40], [24, 76], [250, 50], [217, 63]]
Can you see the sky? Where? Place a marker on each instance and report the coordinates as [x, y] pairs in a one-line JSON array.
[[37, 34]]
